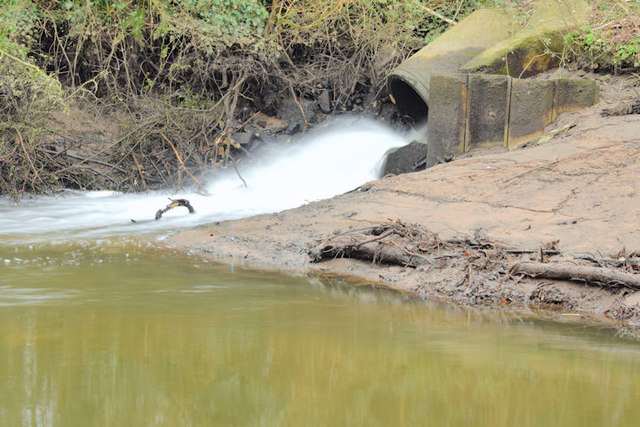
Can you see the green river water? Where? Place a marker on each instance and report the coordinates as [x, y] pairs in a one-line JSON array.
[[118, 334]]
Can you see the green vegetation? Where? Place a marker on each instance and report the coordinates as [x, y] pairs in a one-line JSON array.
[[177, 77], [611, 41], [169, 82]]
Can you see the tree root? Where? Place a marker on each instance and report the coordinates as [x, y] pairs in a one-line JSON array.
[[394, 243], [577, 273], [409, 245]]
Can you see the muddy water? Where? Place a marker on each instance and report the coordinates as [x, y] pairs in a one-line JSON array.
[[119, 334]]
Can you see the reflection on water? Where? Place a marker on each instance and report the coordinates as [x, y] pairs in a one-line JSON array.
[[112, 335]]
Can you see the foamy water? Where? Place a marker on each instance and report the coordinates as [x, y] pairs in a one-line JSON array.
[[337, 157]]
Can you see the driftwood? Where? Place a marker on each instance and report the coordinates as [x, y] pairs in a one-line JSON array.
[[174, 204], [577, 273], [394, 243], [410, 245]]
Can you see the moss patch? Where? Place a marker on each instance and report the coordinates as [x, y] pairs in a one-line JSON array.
[[538, 46]]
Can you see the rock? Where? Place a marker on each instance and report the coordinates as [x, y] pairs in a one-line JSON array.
[[290, 112], [256, 133], [242, 138], [386, 112], [324, 102], [268, 124], [409, 158]]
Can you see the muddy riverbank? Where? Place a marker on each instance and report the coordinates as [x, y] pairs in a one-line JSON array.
[[574, 198]]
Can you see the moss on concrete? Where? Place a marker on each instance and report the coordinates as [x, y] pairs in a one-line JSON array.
[[537, 47], [477, 32]]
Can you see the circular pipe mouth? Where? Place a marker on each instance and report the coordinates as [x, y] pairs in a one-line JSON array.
[[408, 101]]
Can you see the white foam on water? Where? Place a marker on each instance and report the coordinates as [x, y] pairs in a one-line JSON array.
[[335, 158]]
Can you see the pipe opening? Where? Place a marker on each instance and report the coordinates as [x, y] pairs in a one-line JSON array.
[[408, 102]]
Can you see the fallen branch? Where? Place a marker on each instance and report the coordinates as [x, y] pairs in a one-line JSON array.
[[577, 273], [174, 204]]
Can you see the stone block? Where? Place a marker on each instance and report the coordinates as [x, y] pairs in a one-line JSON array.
[[487, 110], [447, 120], [574, 94], [298, 113], [531, 110]]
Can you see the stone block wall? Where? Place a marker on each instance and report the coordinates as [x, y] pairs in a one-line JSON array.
[[468, 111]]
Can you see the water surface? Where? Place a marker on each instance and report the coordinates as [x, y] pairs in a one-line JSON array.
[[119, 334], [109, 331]]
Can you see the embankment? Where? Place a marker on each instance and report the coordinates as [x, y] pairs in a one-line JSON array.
[[574, 199]]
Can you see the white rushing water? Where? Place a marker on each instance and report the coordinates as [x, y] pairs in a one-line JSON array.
[[335, 158]]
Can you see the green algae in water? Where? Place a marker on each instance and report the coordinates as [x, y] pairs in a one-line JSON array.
[[112, 335]]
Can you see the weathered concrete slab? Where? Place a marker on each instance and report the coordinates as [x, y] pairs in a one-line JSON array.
[[446, 137], [531, 109], [409, 83], [574, 94], [487, 110], [538, 46]]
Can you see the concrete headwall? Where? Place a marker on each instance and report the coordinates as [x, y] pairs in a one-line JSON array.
[[487, 41], [409, 83], [463, 83], [478, 110]]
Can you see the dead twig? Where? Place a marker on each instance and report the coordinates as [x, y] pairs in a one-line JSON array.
[[377, 238], [528, 251], [27, 156], [135, 160], [295, 99], [235, 167], [438, 15], [84, 160], [182, 166]]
